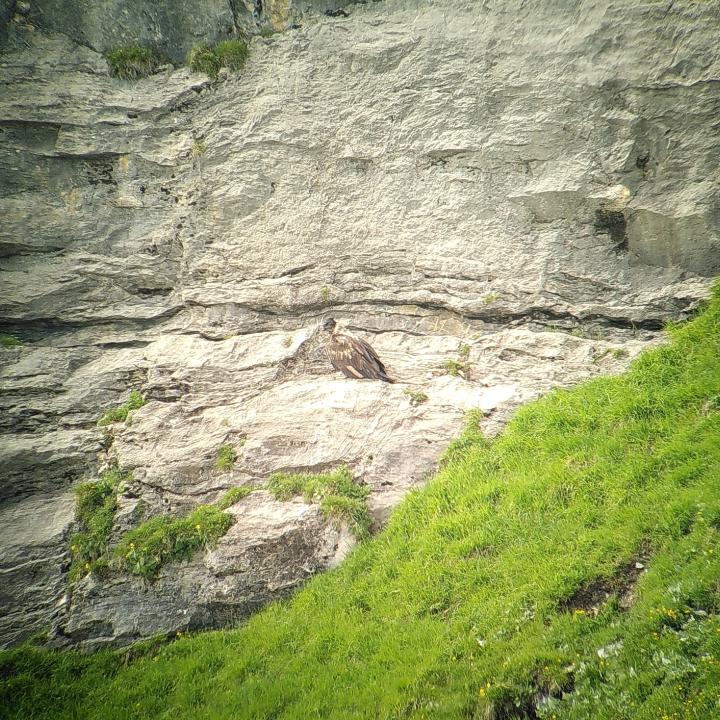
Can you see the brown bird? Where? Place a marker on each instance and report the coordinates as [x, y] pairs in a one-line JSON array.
[[353, 357]]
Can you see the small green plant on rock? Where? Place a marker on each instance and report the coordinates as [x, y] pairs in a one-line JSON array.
[[417, 397], [339, 496], [226, 457], [490, 298], [198, 149], [131, 62], [325, 293], [120, 414], [454, 367], [459, 366], [231, 54], [9, 341]]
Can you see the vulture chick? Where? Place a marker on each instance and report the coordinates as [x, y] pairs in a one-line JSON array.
[[353, 357]]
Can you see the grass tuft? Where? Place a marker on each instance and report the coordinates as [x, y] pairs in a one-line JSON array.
[[131, 62], [120, 414], [496, 591], [231, 54], [339, 496], [162, 539], [198, 149], [226, 458]]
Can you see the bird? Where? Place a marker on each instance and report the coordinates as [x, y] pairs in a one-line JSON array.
[[353, 357]]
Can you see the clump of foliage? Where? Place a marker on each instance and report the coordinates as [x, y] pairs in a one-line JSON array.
[[95, 506], [490, 298], [162, 539], [231, 54], [339, 496], [120, 414], [131, 62], [473, 603], [226, 457], [9, 341], [232, 496], [417, 397], [459, 366], [454, 367]]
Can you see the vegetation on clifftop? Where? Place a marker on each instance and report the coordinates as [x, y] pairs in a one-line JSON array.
[[567, 569]]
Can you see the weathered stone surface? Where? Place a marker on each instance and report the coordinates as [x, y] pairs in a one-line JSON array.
[[34, 555], [432, 174]]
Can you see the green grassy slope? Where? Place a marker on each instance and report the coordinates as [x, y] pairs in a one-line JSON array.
[[568, 569]]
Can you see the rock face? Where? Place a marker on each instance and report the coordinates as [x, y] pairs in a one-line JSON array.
[[502, 199]]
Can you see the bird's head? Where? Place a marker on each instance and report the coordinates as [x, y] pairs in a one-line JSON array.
[[329, 325]]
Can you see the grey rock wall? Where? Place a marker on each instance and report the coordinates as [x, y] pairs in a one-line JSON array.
[[535, 181]]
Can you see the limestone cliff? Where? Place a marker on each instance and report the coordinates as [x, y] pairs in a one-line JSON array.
[[527, 190]]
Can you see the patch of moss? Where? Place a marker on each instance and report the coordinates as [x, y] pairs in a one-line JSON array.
[[120, 414], [231, 54], [131, 62], [339, 496], [9, 341]]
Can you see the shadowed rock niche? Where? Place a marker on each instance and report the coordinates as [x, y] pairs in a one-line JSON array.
[[502, 200]]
